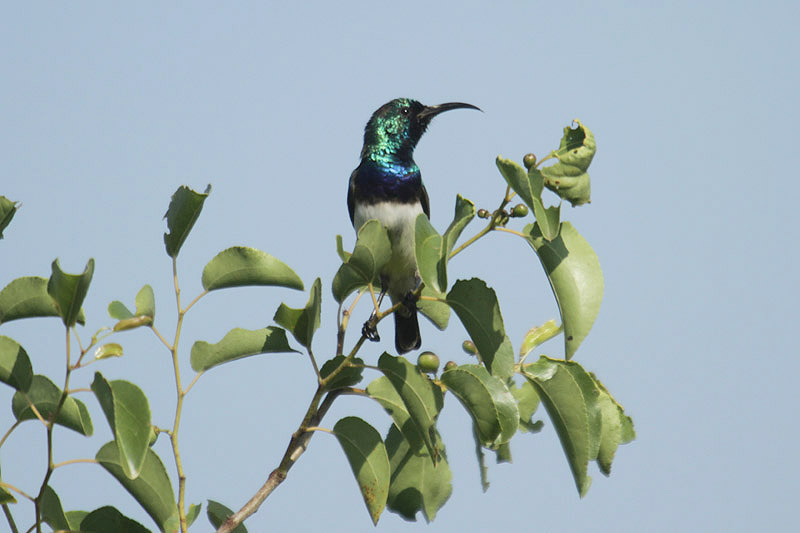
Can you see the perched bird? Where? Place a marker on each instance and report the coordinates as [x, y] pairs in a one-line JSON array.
[[387, 186]]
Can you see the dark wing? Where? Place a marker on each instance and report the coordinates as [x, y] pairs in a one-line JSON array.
[[351, 196], [423, 199]]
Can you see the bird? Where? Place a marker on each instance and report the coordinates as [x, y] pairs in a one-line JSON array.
[[387, 186]]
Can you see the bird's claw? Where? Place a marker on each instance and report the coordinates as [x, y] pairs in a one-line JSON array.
[[370, 330]]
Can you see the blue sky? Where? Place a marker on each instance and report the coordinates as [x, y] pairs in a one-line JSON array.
[[108, 109]]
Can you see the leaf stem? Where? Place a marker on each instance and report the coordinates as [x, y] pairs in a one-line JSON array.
[[15, 489], [344, 321], [513, 232], [74, 461], [10, 519], [173, 435], [8, 433], [37, 502], [493, 223], [186, 391], [160, 337]]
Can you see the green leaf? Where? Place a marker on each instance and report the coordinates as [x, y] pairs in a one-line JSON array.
[[111, 349], [617, 428], [431, 255], [107, 519], [117, 310], [145, 311], [15, 365], [238, 343], [52, 511], [74, 519], [477, 307], [538, 335], [7, 211], [382, 391], [527, 403], [184, 208], [218, 513], [152, 489], [366, 453], [45, 395], [575, 277], [517, 179], [548, 218], [241, 266], [69, 290], [6, 497], [528, 186], [417, 482], [438, 312], [372, 251], [343, 254], [27, 298], [133, 323], [568, 178], [349, 376], [302, 323], [421, 397], [145, 302], [503, 453], [128, 413], [193, 513], [488, 401], [464, 213], [563, 398]]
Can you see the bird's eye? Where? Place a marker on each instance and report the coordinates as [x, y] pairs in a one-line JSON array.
[[405, 110]]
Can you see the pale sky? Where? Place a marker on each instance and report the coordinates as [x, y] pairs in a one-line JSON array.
[[107, 110]]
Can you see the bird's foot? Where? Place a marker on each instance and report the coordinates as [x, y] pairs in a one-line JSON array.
[[370, 329]]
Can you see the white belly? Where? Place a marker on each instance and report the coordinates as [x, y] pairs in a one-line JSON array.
[[399, 220]]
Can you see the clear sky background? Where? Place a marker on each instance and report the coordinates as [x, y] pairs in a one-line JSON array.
[[106, 110]]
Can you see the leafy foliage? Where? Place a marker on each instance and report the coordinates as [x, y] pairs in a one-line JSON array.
[[406, 471]]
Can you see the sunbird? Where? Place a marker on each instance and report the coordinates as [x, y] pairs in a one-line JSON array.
[[387, 186]]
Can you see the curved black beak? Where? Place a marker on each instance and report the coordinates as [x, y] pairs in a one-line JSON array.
[[432, 110]]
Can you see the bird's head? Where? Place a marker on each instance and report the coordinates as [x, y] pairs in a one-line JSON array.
[[396, 127]]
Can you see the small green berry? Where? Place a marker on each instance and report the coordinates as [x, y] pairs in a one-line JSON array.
[[450, 365], [529, 160], [519, 211], [428, 362], [483, 213], [469, 347]]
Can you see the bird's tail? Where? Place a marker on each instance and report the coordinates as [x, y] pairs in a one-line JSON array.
[[406, 331]]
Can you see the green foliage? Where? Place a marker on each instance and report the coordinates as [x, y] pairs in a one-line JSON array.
[[477, 307], [15, 365], [69, 290], [364, 448], [7, 211], [44, 399], [568, 178], [152, 488], [184, 208], [488, 401], [364, 265], [406, 471], [218, 513], [236, 344], [302, 323], [27, 297], [241, 266], [575, 277], [128, 413]]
